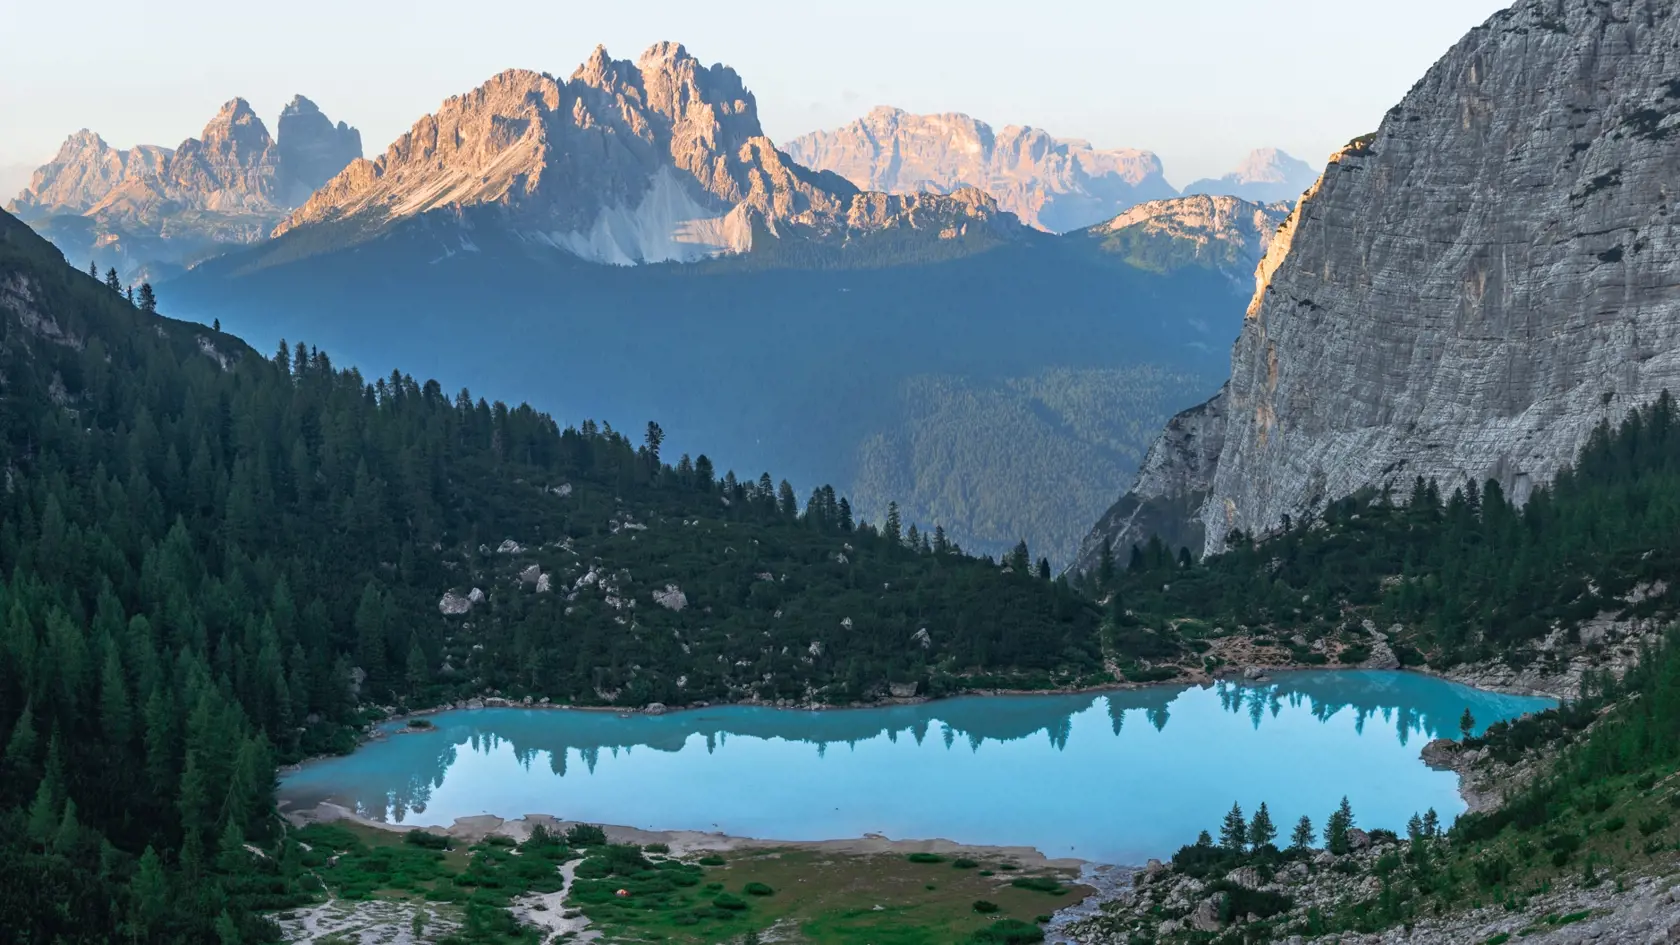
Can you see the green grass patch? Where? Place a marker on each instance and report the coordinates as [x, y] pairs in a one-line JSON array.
[[1043, 884]]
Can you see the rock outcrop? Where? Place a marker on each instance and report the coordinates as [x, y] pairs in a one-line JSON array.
[[1464, 294], [1222, 233], [657, 160], [312, 149], [1265, 176], [147, 209], [1055, 184]]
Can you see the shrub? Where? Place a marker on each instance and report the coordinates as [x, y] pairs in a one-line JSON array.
[[1492, 870], [498, 840], [963, 863], [657, 847], [985, 907], [1043, 884], [1614, 824], [1009, 932], [1499, 939], [730, 903], [419, 723], [1238, 901], [987, 873], [586, 835], [757, 889], [712, 859], [925, 858], [430, 841]]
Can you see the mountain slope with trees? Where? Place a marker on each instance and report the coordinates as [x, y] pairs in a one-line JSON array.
[[214, 559]]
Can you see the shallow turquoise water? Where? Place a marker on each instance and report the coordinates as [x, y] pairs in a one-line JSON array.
[[1114, 777]]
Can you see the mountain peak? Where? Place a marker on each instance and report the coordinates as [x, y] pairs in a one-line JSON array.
[[662, 159], [1056, 184], [299, 105], [1265, 175]]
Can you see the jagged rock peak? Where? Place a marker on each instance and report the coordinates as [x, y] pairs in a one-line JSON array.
[[1052, 183], [658, 160], [312, 148], [237, 128], [1465, 293]]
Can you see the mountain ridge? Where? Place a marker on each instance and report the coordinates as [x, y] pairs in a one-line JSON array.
[[1482, 337]]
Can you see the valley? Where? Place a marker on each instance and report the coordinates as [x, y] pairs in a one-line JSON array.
[[588, 519]]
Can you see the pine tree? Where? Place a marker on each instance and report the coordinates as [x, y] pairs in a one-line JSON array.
[[786, 502], [846, 524], [1105, 564], [1302, 838], [130, 291], [1466, 722], [148, 303], [941, 545], [1431, 823], [891, 530], [1044, 569], [112, 281], [653, 439], [913, 538], [1337, 827], [1233, 832], [1261, 832], [93, 268]]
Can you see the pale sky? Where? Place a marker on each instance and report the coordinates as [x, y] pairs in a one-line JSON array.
[[1199, 82]]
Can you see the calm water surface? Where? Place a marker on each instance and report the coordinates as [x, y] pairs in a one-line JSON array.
[[1114, 777]]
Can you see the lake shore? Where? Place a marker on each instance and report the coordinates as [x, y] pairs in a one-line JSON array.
[[686, 842]]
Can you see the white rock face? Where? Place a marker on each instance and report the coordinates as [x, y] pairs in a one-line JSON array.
[[1464, 295], [1055, 184], [454, 606]]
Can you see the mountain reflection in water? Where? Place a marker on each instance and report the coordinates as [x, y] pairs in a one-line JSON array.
[[1162, 757]]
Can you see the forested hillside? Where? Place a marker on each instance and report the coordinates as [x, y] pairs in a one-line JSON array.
[[213, 559], [1465, 573]]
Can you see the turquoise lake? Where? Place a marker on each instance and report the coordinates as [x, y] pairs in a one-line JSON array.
[[1111, 777]]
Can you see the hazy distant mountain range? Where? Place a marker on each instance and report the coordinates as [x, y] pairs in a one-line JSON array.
[[627, 244], [1054, 184], [148, 210]]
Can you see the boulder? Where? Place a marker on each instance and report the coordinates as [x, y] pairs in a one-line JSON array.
[[671, 598], [1253, 672], [1206, 916], [654, 708], [1358, 839], [902, 690], [453, 606], [510, 547], [530, 575], [1248, 877], [476, 596], [921, 638], [543, 585]]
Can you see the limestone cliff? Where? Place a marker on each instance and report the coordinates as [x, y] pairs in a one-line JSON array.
[[657, 160], [1465, 293], [1055, 184]]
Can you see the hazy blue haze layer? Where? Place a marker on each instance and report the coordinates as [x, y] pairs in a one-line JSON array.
[[1115, 777]]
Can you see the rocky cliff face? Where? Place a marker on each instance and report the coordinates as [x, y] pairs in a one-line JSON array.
[[1265, 176], [1220, 233], [312, 148], [624, 163], [1464, 294], [149, 208], [1056, 184], [83, 173]]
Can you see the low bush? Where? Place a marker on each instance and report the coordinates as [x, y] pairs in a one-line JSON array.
[[985, 906], [1043, 884], [586, 835], [925, 858], [730, 903], [1008, 932], [711, 859], [430, 841], [758, 889], [657, 848], [962, 863]]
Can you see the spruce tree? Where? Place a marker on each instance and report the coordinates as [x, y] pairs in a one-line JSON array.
[[112, 281], [1466, 722], [1233, 832], [147, 301], [1301, 839], [1261, 832], [1336, 829]]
